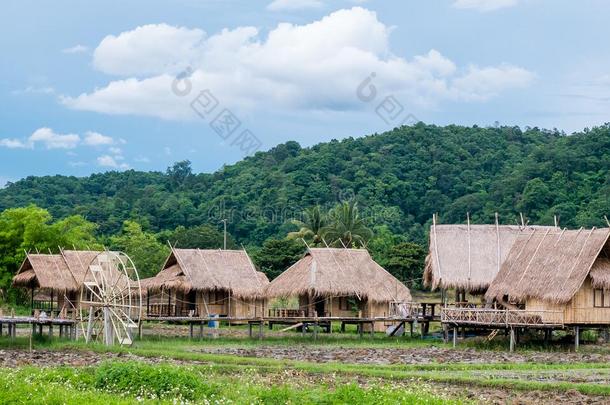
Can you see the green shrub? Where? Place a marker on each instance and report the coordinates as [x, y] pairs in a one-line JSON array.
[[152, 381]]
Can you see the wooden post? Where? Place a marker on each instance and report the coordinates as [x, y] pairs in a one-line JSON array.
[[260, 330], [250, 329], [411, 328], [455, 333], [51, 330], [201, 330], [512, 340], [576, 338], [372, 328], [190, 330]]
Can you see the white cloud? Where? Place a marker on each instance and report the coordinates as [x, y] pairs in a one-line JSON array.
[[316, 66], [484, 83], [484, 5], [115, 151], [76, 49], [149, 49], [96, 139], [53, 140], [35, 90], [109, 161], [289, 5], [12, 143]]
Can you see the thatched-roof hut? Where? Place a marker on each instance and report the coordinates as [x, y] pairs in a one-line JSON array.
[[54, 279], [564, 274], [196, 282], [467, 257], [340, 283]]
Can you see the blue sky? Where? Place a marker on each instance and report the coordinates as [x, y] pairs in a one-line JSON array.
[[93, 86]]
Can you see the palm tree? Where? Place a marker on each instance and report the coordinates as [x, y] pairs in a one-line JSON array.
[[346, 227], [311, 228]]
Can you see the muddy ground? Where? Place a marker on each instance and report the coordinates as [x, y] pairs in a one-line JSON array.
[[484, 395], [416, 355]]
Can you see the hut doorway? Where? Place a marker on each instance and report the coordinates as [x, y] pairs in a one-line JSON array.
[[191, 299], [320, 306]]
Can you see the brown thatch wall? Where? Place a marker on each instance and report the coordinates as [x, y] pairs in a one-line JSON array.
[[600, 273], [548, 265], [339, 272], [203, 270], [468, 259]]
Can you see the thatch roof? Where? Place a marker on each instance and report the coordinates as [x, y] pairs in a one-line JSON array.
[[468, 257], [201, 270], [550, 265], [62, 272], [600, 273], [339, 272]]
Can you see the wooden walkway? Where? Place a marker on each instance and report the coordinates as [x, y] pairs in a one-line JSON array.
[[302, 322], [67, 327]]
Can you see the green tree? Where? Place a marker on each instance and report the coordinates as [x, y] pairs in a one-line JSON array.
[[276, 255], [31, 229], [405, 261], [382, 243], [197, 237], [312, 226], [142, 247], [346, 227]]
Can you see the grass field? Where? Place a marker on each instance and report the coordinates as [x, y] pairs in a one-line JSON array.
[[295, 369]]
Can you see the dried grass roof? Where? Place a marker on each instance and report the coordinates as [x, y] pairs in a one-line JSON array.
[[62, 272], [550, 265], [468, 258], [600, 273], [201, 270], [339, 272]]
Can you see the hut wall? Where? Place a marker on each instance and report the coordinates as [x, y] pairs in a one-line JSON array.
[[547, 311], [579, 311], [341, 307], [582, 309], [247, 308], [217, 302]]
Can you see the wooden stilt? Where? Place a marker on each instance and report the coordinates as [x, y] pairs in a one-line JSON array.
[[455, 333], [576, 338], [512, 340], [411, 328], [201, 330], [190, 330], [260, 330]]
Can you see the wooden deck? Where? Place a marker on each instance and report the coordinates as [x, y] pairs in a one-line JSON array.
[[67, 327], [501, 318]]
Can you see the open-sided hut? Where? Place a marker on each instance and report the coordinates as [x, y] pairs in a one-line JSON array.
[[467, 258], [340, 283], [201, 283], [558, 276], [54, 280]]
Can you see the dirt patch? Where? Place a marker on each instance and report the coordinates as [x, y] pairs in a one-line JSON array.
[[419, 355], [42, 358]]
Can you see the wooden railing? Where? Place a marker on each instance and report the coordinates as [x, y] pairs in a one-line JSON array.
[[405, 310], [501, 317], [161, 310], [286, 313]]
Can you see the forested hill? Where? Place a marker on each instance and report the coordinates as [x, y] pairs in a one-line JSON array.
[[399, 178]]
